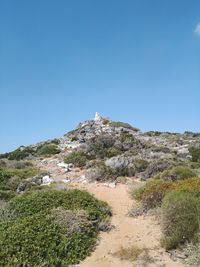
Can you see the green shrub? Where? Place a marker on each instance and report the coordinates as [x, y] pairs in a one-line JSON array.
[[52, 228], [178, 173], [78, 158], [4, 177], [179, 218], [6, 212], [10, 178], [48, 149], [152, 193], [33, 202], [153, 133], [127, 137], [111, 152], [191, 185], [4, 156], [163, 149], [38, 241], [140, 165], [101, 146], [71, 222], [20, 153], [2, 163], [128, 171], [124, 125], [195, 153], [6, 194], [98, 171]]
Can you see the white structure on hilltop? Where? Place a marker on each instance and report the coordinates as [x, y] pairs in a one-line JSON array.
[[97, 117]]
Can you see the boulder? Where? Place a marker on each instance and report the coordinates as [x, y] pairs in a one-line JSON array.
[[46, 180], [119, 162]]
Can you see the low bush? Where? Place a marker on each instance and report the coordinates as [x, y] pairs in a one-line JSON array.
[[157, 166], [195, 153], [48, 150], [129, 253], [38, 241], [10, 178], [193, 254], [100, 172], [2, 163], [163, 149], [178, 173], [52, 228], [71, 222], [133, 254], [101, 146], [6, 194], [153, 133], [20, 153], [140, 164], [33, 202], [127, 137], [152, 193], [4, 177], [128, 171], [6, 212], [123, 125], [191, 185], [179, 218], [15, 164], [110, 152], [78, 158]]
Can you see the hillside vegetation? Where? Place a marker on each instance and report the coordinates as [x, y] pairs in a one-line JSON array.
[[43, 224]]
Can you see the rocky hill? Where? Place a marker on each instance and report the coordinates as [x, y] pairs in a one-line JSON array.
[[40, 189], [109, 150]]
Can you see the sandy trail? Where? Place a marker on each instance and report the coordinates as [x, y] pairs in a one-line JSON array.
[[143, 231]]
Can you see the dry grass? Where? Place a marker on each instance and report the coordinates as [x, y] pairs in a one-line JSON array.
[[133, 254]]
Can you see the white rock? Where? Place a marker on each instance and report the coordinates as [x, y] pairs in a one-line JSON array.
[[81, 178], [65, 180], [62, 164], [47, 180], [112, 185]]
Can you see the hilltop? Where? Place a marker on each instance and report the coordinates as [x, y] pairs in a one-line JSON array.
[[109, 149]]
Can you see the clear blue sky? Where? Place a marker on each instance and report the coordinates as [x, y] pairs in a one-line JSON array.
[[132, 60]]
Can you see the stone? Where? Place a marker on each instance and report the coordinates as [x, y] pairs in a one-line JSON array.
[[46, 180], [62, 165], [112, 185], [66, 180], [119, 162], [67, 167]]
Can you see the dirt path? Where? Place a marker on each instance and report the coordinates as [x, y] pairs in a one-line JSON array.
[[141, 231]]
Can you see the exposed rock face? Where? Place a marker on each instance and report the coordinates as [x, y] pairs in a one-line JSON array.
[[120, 162]]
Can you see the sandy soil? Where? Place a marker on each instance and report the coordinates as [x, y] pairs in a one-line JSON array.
[[143, 231]]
